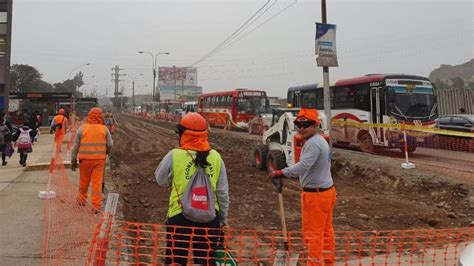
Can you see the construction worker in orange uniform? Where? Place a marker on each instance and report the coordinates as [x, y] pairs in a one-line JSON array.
[[319, 195], [109, 122], [59, 125], [92, 144]]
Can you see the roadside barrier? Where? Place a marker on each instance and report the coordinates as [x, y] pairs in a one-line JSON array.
[[74, 235], [139, 243], [427, 146]]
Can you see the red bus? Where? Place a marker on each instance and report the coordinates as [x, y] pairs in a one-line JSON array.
[[232, 109]]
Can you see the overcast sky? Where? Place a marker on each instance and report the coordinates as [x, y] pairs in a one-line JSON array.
[[378, 36]]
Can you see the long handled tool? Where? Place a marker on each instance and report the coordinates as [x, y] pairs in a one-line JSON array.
[[283, 257]]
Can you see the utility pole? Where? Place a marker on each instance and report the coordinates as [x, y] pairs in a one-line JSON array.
[[116, 79], [121, 100], [327, 93], [133, 94]]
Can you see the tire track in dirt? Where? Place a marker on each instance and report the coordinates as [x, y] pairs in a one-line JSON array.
[[371, 195]]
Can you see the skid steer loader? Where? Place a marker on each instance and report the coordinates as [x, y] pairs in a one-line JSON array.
[[281, 144]]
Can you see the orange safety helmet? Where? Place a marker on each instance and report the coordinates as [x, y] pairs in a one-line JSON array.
[[306, 114], [194, 121]]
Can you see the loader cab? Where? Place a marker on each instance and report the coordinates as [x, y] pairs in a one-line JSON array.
[[278, 112]]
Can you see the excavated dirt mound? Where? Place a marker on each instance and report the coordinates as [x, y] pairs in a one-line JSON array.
[[373, 192]]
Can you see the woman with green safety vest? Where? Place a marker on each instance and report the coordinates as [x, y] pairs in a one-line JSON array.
[[176, 171]]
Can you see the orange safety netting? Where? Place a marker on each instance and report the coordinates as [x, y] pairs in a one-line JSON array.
[[67, 225], [74, 235], [138, 243]]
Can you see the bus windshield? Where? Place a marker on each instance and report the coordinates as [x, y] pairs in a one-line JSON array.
[[252, 103], [418, 103]]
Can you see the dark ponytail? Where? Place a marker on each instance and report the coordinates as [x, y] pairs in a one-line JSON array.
[[201, 159]]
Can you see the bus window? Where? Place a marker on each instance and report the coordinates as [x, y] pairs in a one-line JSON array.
[[319, 99], [308, 99], [362, 97], [252, 103], [289, 98], [344, 98]]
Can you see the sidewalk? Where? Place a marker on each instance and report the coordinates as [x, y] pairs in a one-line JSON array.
[[21, 211]]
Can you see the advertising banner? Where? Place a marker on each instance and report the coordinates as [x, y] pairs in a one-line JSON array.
[[326, 45], [171, 76], [183, 93]]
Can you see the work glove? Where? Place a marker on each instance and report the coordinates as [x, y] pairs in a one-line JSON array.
[[276, 174], [73, 165], [51, 131], [276, 178]]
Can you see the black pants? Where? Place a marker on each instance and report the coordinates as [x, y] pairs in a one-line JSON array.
[[23, 157], [203, 244], [4, 157]]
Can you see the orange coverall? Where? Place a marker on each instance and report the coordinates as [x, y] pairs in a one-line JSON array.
[[59, 132], [92, 152]]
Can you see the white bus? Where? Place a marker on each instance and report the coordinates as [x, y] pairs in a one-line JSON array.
[[374, 98]]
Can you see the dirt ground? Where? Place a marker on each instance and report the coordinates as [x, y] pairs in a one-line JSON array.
[[374, 193]]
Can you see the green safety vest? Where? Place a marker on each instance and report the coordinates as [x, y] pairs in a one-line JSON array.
[[183, 169]]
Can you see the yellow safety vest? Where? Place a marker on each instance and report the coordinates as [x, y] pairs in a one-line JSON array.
[[183, 169]]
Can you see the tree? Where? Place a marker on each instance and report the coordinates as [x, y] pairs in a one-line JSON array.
[[71, 85], [25, 78]]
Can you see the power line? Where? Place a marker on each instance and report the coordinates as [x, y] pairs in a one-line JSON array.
[[230, 37], [263, 23]]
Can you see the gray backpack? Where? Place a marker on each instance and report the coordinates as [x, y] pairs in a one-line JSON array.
[[197, 201]]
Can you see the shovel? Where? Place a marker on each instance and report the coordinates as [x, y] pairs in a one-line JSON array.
[[283, 257]]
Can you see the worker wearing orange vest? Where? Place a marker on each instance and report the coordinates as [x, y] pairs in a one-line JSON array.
[[59, 125], [92, 144]]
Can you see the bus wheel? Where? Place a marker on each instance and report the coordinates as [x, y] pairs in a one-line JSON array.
[[366, 145], [275, 160], [259, 157]]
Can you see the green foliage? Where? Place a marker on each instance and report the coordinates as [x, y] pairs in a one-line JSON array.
[[71, 85], [25, 78]]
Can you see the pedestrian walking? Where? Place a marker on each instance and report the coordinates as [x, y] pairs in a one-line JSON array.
[[23, 140], [318, 197], [110, 122], [92, 144], [6, 132], [59, 125], [181, 169]]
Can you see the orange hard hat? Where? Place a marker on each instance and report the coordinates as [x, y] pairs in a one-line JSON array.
[[61, 111], [307, 114], [194, 121]]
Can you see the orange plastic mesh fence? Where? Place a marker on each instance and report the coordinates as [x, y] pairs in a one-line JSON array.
[[74, 235], [137, 243], [67, 225]]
